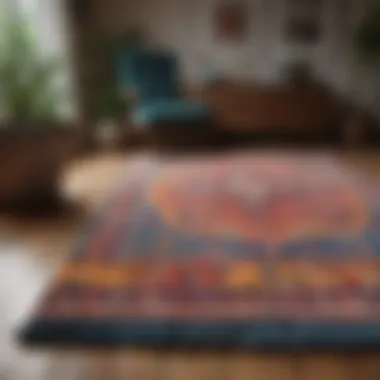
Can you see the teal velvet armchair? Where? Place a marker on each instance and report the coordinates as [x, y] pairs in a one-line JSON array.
[[153, 78]]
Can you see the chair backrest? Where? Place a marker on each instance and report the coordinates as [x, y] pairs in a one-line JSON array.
[[125, 66], [153, 75]]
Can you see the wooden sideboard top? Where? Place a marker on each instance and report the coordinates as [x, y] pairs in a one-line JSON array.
[[240, 106]]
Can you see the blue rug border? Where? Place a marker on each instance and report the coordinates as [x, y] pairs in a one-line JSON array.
[[207, 335]]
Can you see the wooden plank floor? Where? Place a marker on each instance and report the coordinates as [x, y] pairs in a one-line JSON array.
[[32, 249]]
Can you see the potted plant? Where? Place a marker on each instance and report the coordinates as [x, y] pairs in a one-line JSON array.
[[110, 112], [366, 43], [367, 37], [34, 141], [110, 102]]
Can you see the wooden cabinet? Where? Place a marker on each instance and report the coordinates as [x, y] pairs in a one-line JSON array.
[[243, 107]]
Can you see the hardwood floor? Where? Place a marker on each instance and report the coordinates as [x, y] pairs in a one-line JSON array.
[[31, 250]]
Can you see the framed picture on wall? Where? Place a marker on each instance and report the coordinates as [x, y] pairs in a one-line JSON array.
[[301, 30], [231, 22], [307, 4], [304, 21]]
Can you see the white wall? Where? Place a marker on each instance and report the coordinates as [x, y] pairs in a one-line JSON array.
[[185, 27]]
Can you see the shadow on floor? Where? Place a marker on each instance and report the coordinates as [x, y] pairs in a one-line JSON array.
[[46, 210]]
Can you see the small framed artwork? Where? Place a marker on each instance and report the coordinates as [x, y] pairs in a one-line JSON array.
[[301, 30], [231, 22], [304, 21], [305, 4]]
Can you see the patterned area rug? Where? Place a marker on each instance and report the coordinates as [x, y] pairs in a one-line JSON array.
[[242, 250]]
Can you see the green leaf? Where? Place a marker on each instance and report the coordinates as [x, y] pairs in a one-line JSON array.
[[27, 91], [367, 36]]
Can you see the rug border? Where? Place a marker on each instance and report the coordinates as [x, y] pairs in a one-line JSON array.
[[206, 335]]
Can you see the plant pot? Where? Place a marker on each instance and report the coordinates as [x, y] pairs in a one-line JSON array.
[[31, 160]]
